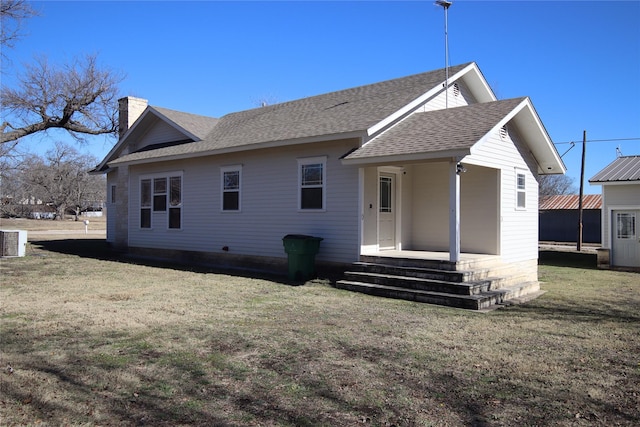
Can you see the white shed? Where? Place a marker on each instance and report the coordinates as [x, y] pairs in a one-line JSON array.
[[620, 182]]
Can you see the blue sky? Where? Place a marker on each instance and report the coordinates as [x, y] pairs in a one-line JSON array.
[[579, 62]]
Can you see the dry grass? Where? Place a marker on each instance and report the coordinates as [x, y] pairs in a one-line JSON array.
[[89, 340]]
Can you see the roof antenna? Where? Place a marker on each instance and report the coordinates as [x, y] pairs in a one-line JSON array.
[[618, 152], [445, 5]]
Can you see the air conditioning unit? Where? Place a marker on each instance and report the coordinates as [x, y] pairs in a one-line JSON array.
[[13, 243]]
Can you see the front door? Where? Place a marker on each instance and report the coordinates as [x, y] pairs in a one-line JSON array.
[[387, 212], [625, 239]]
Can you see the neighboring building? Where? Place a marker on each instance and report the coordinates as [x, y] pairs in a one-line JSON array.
[[620, 182], [380, 169], [559, 218]]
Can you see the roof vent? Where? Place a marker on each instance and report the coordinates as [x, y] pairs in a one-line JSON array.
[[504, 134], [456, 89]]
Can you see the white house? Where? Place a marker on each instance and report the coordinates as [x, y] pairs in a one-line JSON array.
[[620, 182], [400, 169]]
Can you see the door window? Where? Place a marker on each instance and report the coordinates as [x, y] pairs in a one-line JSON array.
[[385, 194], [626, 225]]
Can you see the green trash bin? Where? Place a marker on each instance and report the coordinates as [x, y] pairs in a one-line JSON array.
[[301, 251]]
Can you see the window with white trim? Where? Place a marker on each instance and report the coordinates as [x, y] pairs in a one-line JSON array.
[[145, 203], [175, 202], [386, 184], [231, 178], [625, 225], [521, 190], [112, 193], [312, 183], [161, 195]]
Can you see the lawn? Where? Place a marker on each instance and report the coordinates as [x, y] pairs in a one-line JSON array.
[[88, 339]]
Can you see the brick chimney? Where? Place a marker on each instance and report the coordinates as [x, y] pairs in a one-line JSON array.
[[129, 109]]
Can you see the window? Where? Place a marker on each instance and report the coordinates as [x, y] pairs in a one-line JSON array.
[[312, 183], [385, 194], [161, 196], [521, 194], [626, 225], [145, 203], [112, 193], [231, 183], [175, 201]]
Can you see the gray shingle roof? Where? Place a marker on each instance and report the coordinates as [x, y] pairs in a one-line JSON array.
[[195, 124], [335, 113], [625, 168], [447, 130]]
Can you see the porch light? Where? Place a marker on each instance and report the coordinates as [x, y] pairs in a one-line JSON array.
[[460, 168]]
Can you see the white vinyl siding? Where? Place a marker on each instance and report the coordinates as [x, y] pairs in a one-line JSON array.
[[269, 205], [518, 227], [159, 133], [430, 210], [620, 197], [439, 101]]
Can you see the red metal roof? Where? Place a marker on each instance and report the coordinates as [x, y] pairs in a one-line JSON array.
[[571, 201]]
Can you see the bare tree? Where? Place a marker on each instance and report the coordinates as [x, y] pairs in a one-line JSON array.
[[553, 185], [79, 97], [13, 13], [61, 180]]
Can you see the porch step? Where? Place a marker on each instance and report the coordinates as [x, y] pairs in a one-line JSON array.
[[422, 272], [484, 301], [421, 283], [475, 289]]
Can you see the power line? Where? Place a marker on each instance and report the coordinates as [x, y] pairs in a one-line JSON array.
[[599, 140]]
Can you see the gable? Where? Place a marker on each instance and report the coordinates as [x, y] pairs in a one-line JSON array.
[[155, 132], [158, 127]]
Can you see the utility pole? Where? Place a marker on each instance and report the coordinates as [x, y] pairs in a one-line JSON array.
[[584, 149]]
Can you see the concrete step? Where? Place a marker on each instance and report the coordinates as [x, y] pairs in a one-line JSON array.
[[479, 284], [420, 283], [424, 273], [483, 301]]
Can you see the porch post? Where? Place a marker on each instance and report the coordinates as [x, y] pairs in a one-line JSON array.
[[454, 212]]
